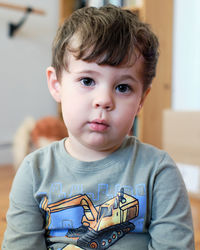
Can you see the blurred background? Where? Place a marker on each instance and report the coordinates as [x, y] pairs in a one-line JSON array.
[[24, 58], [170, 118], [26, 53]]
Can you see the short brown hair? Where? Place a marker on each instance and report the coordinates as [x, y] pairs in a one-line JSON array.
[[108, 35]]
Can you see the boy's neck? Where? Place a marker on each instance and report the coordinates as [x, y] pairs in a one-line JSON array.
[[86, 154]]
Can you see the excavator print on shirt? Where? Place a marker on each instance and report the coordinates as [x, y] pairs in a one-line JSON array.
[[95, 227]]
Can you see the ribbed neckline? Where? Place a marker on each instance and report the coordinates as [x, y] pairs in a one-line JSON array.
[[82, 166]]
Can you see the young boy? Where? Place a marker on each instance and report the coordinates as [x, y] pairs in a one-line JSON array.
[[100, 188]]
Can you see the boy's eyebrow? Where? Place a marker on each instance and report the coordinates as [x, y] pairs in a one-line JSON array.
[[86, 71], [127, 76], [121, 78]]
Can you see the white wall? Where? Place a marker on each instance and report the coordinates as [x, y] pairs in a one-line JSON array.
[[186, 55], [23, 60]]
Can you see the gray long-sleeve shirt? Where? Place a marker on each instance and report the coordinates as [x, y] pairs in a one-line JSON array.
[[133, 199]]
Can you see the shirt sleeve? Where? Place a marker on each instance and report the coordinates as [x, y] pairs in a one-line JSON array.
[[25, 222], [171, 221]]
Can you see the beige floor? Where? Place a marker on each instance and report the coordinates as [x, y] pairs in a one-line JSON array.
[[6, 177]]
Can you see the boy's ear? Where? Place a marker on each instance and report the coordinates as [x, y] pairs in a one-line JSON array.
[[53, 83], [145, 94]]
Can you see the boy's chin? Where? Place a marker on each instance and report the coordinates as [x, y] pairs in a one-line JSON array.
[[102, 143]]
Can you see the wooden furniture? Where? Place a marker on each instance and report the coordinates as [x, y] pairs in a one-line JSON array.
[[181, 135], [21, 8], [66, 7], [159, 14]]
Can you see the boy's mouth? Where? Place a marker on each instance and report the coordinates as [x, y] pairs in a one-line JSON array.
[[98, 125]]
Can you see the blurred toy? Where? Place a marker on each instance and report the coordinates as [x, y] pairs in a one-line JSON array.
[[47, 130], [33, 134]]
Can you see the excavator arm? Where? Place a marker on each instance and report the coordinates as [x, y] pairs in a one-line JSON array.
[[90, 212]]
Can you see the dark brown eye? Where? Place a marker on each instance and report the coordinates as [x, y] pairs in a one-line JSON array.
[[123, 88], [87, 82]]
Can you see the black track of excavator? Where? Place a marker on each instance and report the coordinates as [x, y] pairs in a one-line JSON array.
[[104, 238]]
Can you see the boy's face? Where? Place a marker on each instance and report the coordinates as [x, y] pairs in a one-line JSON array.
[[99, 105]]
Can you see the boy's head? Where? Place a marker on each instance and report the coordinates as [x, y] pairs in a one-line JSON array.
[[108, 36]]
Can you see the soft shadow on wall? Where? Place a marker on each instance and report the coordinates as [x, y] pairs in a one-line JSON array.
[[24, 58]]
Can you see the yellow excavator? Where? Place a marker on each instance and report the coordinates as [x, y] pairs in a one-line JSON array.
[[101, 225]]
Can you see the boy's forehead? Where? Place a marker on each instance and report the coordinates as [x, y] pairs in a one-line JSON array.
[[136, 60], [75, 65], [76, 42]]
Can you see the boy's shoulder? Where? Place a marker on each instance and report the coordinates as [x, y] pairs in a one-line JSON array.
[[144, 148], [53, 146], [43, 154], [145, 153]]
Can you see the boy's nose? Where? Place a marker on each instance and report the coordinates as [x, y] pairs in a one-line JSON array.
[[104, 101]]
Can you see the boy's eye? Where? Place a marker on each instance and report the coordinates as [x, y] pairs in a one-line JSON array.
[[87, 81], [123, 88]]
